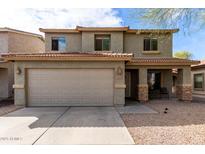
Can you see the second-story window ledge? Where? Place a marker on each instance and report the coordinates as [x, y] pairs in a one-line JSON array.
[[151, 52]]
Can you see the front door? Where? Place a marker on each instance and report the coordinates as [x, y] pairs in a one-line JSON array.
[[154, 80], [154, 84]]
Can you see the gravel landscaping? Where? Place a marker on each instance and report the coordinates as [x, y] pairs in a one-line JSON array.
[[184, 123]]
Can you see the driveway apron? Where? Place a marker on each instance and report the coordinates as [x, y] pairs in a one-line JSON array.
[[88, 125], [26, 125], [63, 125]]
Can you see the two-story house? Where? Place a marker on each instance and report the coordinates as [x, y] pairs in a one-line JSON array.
[[15, 41], [100, 66]]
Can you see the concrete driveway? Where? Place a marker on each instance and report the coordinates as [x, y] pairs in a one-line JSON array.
[[63, 125]]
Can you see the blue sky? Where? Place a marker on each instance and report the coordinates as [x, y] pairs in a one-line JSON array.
[[193, 41], [31, 19]]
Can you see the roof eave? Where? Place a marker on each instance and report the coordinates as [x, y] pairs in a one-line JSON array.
[[58, 30], [79, 29], [154, 31], [11, 30]]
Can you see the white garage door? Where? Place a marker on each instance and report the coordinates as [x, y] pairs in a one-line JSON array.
[[70, 87]]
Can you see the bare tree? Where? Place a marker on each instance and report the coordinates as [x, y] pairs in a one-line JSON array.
[[187, 19]]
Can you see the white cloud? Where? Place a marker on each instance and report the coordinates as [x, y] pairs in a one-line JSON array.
[[32, 19]]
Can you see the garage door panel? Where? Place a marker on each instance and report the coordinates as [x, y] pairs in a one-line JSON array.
[[70, 87]]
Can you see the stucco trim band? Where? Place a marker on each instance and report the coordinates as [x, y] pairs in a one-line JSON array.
[[18, 86], [150, 52], [120, 86]]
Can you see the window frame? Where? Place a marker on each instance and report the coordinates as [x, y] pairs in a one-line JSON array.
[[102, 35], [52, 44], [150, 43], [194, 76], [58, 38]]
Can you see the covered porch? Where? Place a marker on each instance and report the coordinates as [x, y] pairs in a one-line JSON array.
[[152, 78], [6, 79]]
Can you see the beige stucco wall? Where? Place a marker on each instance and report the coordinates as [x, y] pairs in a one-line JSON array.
[[85, 41], [117, 42], [135, 43], [184, 76], [73, 41], [20, 79], [15, 43], [167, 80], [3, 42], [88, 41], [120, 42], [198, 93], [21, 43]]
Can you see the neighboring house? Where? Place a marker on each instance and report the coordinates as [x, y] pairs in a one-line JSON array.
[[100, 66], [198, 81], [15, 41]]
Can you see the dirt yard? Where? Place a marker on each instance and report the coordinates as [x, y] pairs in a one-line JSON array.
[[184, 123]]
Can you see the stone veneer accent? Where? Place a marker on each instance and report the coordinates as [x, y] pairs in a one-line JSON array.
[[143, 93], [184, 92]]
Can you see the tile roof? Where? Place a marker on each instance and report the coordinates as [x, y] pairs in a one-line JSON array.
[[69, 56], [162, 60], [200, 65], [97, 56]]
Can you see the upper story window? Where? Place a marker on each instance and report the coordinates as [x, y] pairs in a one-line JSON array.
[[58, 44], [102, 42], [199, 81], [150, 44]]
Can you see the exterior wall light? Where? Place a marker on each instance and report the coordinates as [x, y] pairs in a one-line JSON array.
[[18, 71], [119, 71]]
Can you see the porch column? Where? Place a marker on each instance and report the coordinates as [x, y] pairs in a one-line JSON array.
[[143, 86], [184, 86]]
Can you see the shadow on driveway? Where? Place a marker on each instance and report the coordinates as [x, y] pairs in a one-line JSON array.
[[63, 125]]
